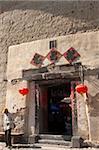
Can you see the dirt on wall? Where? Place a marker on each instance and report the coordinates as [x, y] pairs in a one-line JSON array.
[[23, 21]]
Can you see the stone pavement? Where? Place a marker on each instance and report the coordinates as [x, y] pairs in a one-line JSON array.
[[42, 147], [49, 149]]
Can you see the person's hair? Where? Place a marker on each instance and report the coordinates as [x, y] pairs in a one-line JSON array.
[[6, 110]]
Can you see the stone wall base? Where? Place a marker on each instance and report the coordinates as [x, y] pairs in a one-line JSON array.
[[77, 142], [33, 139]]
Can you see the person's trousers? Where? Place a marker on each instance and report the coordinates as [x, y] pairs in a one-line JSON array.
[[8, 137]]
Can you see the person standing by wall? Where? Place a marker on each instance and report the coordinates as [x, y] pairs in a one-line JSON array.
[[7, 123]]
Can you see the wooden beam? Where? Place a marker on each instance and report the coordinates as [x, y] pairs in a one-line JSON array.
[[56, 82], [49, 76], [51, 72]]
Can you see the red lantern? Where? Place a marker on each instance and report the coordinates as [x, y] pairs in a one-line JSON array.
[[81, 88], [24, 91]]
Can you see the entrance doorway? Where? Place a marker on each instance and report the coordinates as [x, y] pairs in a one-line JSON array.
[[53, 114], [59, 110]]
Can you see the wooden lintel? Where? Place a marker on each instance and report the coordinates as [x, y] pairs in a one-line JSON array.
[[56, 81], [50, 68], [51, 72], [49, 76]]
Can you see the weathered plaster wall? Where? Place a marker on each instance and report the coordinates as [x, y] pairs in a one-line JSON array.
[[82, 42], [93, 105], [17, 105], [21, 55]]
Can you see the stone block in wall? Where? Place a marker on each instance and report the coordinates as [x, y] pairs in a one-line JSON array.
[[33, 138], [77, 142]]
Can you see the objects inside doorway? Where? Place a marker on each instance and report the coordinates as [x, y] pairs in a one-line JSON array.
[[60, 114]]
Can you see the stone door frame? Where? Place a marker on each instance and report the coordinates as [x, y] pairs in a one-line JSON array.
[[44, 76], [73, 105]]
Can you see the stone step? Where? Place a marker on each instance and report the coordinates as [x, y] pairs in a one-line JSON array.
[[55, 137], [54, 142], [51, 146]]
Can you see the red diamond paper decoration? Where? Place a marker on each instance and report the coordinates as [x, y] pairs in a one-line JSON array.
[[37, 60], [71, 55], [53, 56]]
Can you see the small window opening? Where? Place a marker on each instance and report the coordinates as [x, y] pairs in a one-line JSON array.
[[53, 44]]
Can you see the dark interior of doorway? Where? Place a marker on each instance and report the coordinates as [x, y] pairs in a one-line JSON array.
[[59, 110]]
